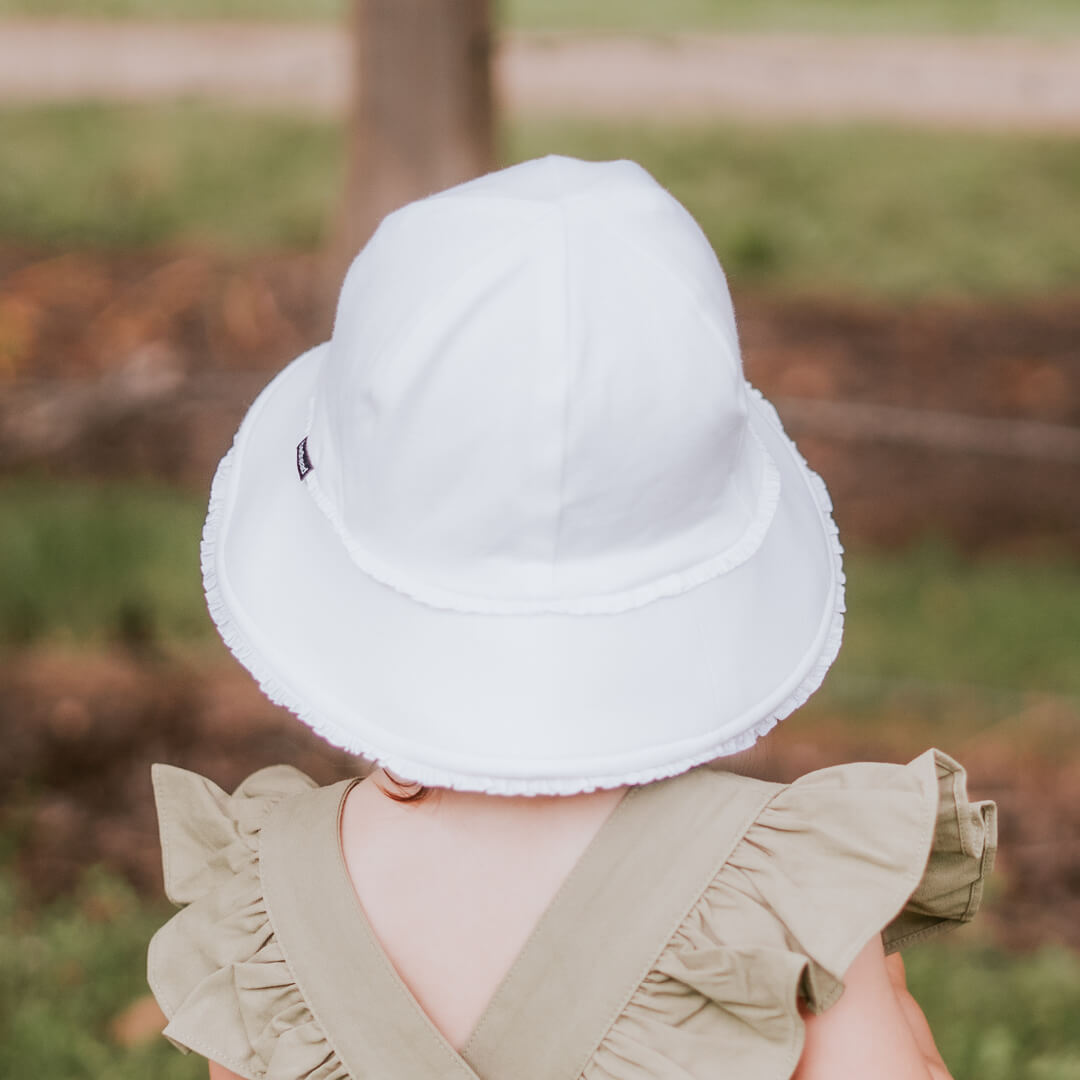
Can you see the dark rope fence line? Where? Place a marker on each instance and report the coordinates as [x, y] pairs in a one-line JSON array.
[[931, 429]]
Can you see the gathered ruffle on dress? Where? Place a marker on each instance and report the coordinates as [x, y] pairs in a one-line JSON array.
[[830, 860], [216, 967], [836, 857]]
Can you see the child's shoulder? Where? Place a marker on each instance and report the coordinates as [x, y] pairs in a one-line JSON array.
[[217, 967], [902, 846], [206, 832], [772, 890]]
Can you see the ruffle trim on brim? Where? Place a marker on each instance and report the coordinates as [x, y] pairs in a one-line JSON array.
[[280, 693]]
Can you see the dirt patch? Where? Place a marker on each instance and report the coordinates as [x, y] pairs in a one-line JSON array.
[[80, 733], [944, 364], [143, 364]]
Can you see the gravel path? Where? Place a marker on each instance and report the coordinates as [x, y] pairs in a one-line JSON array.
[[976, 82]]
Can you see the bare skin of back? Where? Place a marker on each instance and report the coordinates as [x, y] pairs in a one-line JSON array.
[[454, 885]]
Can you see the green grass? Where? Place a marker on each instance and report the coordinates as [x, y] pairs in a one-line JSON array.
[[1000, 1017], [857, 209], [65, 972], [863, 210], [87, 564], [827, 16], [117, 177], [918, 16], [68, 969], [944, 651], [930, 616]]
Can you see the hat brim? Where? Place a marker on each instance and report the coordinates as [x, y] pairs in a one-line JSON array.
[[548, 703]]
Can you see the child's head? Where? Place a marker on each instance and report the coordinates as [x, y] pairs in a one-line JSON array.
[[522, 526]]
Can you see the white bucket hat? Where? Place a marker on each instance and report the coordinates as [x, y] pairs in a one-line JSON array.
[[521, 526]]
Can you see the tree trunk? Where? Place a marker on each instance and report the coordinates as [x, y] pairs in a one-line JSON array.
[[422, 109]]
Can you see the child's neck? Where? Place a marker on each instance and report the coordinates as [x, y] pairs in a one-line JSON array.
[[448, 802]]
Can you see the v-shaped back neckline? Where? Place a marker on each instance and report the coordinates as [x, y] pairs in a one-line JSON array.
[[578, 868], [550, 910], [369, 1013]]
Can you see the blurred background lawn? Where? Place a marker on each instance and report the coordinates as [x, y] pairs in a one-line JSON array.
[[952, 646], [636, 16], [854, 209]]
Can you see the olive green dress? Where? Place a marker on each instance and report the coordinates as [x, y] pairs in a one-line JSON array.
[[677, 947]]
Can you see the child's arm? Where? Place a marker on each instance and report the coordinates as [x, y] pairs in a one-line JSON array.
[[875, 1029], [916, 1018], [219, 1072]]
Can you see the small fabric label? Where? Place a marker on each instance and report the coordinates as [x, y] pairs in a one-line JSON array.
[[303, 462]]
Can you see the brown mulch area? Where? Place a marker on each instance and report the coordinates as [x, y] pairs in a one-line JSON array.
[[80, 733], [142, 364]]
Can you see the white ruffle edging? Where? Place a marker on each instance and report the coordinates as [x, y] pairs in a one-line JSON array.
[[249, 656]]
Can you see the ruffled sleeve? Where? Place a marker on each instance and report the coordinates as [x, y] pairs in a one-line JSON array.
[[840, 855], [215, 967]]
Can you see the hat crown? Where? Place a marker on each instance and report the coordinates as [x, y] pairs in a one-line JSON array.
[[533, 397]]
